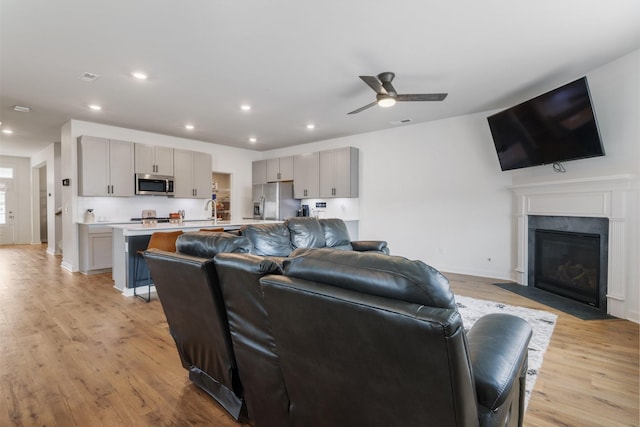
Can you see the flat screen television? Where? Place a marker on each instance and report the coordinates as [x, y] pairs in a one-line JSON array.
[[551, 128]]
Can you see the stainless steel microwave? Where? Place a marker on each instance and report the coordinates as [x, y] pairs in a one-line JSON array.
[[154, 185]]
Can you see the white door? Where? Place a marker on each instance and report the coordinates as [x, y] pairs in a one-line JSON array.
[[7, 207]]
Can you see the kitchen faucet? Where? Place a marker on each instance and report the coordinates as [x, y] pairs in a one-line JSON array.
[[215, 209]]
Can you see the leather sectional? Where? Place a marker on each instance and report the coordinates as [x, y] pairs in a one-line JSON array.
[[326, 337]]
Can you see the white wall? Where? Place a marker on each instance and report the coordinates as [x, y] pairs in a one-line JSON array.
[[234, 161], [49, 157]]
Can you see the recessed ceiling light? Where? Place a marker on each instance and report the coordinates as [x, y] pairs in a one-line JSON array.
[[7, 131], [253, 140], [139, 75], [245, 107], [311, 126], [95, 107], [189, 127], [21, 109]]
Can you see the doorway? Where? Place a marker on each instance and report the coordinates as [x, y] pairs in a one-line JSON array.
[[7, 206], [221, 187]]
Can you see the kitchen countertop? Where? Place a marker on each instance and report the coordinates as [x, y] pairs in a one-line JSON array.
[[139, 229]]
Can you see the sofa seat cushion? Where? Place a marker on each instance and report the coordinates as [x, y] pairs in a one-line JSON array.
[[268, 239], [205, 244], [306, 232], [377, 274]]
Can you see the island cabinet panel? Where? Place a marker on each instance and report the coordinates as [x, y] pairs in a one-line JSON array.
[[105, 167], [192, 174], [339, 172], [153, 159], [96, 248], [280, 169], [259, 172], [306, 176]]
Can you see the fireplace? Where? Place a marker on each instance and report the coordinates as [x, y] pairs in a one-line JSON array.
[[568, 257]]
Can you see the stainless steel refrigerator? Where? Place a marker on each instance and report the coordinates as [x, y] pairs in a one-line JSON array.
[[274, 201]]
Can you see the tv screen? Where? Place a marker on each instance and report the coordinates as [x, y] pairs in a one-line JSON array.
[[554, 127]]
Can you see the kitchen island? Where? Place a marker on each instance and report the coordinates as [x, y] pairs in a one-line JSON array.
[[129, 238]]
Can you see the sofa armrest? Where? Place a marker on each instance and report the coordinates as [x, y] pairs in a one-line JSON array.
[[498, 345], [370, 245]]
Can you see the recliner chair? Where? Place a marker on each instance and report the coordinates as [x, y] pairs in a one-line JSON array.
[[188, 289], [376, 340]]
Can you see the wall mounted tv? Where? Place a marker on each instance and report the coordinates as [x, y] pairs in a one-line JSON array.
[[554, 127]]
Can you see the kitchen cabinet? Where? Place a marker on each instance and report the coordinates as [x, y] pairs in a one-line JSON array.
[[339, 172], [96, 248], [259, 172], [306, 176], [105, 167], [153, 159], [192, 174], [280, 169]]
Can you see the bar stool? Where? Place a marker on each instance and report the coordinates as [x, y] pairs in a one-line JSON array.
[[163, 240], [213, 230]]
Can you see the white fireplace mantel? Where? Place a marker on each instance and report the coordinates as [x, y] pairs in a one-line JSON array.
[[600, 197]]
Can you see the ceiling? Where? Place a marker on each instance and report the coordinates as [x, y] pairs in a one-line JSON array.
[[295, 62]]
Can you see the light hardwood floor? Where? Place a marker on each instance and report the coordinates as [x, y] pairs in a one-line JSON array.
[[75, 352]]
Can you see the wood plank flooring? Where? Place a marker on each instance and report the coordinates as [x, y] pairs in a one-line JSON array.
[[75, 352]]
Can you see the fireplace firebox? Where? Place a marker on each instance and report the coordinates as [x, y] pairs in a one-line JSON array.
[[568, 264], [568, 256]]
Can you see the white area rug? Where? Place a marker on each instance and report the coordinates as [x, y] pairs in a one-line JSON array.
[[542, 323]]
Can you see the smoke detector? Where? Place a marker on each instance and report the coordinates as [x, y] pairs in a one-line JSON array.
[[89, 77]]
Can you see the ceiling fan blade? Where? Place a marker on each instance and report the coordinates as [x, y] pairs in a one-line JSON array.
[[363, 108], [374, 84], [422, 97]]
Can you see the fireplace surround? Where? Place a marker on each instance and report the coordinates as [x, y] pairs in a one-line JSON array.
[[613, 198]]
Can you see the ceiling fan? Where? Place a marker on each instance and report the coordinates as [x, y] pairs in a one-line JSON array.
[[387, 95]]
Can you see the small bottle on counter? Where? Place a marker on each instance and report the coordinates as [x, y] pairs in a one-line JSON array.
[[89, 216]]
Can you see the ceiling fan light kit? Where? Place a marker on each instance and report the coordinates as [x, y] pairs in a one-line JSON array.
[[386, 95]]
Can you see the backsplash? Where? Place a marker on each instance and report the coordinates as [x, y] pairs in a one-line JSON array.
[[122, 209]]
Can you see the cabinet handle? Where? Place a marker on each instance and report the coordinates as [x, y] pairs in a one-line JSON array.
[[278, 175]]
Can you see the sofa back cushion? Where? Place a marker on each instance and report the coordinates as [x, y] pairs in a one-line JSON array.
[[382, 275], [336, 234], [268, 239], [205, 244], [306, 232]]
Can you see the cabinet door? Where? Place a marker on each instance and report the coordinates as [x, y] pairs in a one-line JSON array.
[[182, 173], [346, 172], [273, 170], [327, 173], [121, 163], [144, 158], [339, 172], [259, 172], [306, 176], [100, 251], [286, 168], [93, 165], [164, 160], [202, 175]]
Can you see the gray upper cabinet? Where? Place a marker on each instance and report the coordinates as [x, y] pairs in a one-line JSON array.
[[192, 174], [339, 172], [259, 172], [280, 169], [306, 176], [105, 167], [153, 159]]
